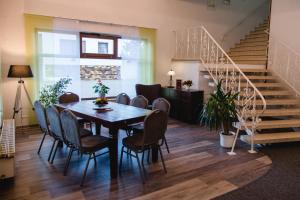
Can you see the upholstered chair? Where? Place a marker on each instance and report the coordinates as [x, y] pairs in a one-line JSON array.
[[151, 92], [123, 98], [139, 101], [155, 126], [42, 120], [85, 145]]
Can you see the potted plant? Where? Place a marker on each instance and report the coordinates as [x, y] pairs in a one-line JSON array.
[[101, 89], [219, 113], [50, 93]]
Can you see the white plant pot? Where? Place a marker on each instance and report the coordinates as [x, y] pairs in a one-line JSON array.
[[226, 141]]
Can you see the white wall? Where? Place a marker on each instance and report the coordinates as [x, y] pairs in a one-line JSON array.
[[164, 15], [284, 48]]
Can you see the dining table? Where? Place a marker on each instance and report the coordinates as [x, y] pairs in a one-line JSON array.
[[113, 116]]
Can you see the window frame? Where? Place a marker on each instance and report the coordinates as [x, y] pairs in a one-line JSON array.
[[115, 39]]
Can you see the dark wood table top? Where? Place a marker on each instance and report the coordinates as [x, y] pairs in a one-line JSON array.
[[119, 114]]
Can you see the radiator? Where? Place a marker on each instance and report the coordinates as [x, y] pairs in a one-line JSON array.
[[7, 149]]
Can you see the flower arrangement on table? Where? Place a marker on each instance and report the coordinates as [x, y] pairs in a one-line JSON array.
[[187, 83], [101, 101]]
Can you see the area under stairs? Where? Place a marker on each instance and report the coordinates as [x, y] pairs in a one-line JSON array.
[[282, 116], [253, 48]]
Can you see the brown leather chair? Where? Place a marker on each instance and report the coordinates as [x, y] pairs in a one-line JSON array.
[[155, 126], [151, 92], [85, 145]]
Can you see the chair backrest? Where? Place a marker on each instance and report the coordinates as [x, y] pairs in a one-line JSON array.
[[68, 97], [151, 92], [71, 128], [155, 126], [55, 122], [123, 98], [161, 104], [41, 116], [139, 101]]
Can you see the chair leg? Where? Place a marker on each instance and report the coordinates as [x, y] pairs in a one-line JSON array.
[[143, 155], [148, 159], [95, 160], [167, 146], [140, 168], [68, 161], [86, 167], [162, 159], [52, 147], [121, 159], [91, 126], [41, 143], [55, 150]]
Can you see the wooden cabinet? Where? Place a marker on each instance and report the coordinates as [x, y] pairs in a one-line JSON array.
[[186, 105]]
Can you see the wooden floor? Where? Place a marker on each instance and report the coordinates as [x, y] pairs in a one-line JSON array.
[[197, 169]]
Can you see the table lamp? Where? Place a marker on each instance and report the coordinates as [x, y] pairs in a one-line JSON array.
[[171, 73], [20, 71]]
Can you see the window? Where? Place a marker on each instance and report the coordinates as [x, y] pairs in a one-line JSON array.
[[98, 46]]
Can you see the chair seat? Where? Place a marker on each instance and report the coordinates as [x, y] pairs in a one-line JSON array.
[[85, 132], [134, 142], [94, 143], [81, 120], [137, 128]]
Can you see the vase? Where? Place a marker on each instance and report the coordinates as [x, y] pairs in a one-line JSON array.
[[102, 95]]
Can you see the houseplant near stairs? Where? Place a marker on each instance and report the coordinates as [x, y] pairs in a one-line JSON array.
[[219, 113]]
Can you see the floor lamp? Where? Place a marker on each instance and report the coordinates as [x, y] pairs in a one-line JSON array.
[[20, 71]]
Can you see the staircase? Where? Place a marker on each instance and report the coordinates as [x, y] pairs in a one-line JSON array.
[[268, 110], [253, 48], [282, 112]]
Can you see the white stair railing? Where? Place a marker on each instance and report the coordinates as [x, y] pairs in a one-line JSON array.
[[284, 62], [198, 44]]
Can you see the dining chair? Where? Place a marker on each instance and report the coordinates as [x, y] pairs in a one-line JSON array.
[[123, 98], [70, 97], [158, 104], [151, 92], [139, 101], [41, 116], [155, 125], [57, 130], [85, 145]]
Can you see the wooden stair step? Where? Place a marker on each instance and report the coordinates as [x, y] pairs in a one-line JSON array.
[[249, 43], [271, 124], [262, 35], [279, 102], [251, 62], [258, 39], [249, 58], [272, 93], [255, 48], [280, 112], [253, 78], [269, 138], [247, 70], [248, 53]]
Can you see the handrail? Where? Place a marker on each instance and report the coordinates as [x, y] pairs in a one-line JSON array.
[[276, 65], [197, 43]]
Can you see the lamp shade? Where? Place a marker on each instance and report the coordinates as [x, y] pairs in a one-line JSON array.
[[171, 73], [19, 71]]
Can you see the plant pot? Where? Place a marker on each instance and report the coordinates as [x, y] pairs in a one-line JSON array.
[[226, 141], [101, 95]]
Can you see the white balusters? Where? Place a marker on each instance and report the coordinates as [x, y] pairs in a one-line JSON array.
[[198, 44]]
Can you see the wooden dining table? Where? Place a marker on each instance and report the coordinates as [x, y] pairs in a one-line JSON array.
[[117, 116]]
